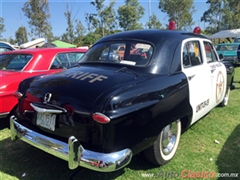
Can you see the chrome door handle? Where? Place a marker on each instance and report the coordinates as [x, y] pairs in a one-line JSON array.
[[190, 77]]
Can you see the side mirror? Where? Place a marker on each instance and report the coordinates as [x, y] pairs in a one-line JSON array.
[[221, 57]]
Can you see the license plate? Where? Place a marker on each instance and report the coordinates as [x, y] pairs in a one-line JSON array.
[[46, 120]]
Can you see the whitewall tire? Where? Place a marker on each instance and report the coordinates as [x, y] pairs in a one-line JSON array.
[[165, 147]]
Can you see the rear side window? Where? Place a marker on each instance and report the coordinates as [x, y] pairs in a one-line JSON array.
[[192, 54], [15, 62], [129, 53], [66, 60]]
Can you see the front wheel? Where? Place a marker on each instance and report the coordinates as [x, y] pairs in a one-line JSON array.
[[165, 147]]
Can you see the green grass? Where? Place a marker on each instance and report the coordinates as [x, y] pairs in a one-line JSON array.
[[195, 150]]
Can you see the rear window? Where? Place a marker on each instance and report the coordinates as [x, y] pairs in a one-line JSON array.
[[15, 62], [129, 53]]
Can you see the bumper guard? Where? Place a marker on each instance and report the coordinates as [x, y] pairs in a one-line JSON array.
[[73, 152]]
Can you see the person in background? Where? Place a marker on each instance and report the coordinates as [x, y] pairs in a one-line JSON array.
[[190, 47]]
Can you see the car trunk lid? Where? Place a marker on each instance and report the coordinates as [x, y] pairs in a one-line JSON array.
[[68, 98]]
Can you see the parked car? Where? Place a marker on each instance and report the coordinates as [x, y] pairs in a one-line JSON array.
[[237, 39], [229, 52], [108, 110], [4, 46], [20, 64]]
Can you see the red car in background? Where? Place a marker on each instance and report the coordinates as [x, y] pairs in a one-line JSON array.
[[18, 65]]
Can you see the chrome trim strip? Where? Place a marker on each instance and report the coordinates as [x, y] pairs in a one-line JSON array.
[[3, 115], [43, 110], [73, 152], [31, 71], [27, 111], [17, 94]]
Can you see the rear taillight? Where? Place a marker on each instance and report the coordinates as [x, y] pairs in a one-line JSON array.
[[101, 118], [17, 95]]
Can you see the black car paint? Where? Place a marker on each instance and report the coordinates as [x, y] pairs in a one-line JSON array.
[[142, 107], [230, 73], [146, 96]]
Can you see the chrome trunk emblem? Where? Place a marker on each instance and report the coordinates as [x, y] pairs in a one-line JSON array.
[[47, 97]]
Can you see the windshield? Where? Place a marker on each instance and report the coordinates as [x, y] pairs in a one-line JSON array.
[[227, 47], [130, 53], [14, 61]]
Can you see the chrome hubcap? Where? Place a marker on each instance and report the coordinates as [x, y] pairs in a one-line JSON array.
[[226, 97], [169, 135]]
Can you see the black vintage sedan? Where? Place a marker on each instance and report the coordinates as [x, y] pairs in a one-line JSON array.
[[111, 106]]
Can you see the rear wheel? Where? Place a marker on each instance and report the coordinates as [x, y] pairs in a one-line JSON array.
[[165, 147]]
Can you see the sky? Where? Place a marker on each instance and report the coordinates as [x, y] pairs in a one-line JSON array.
[[11, 11]]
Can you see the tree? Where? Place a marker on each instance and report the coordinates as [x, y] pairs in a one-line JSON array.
[[213, 15], [231, 15], [49, 35], [89, 18], [129, 15], [179, 11], [109, 17], [79, 32], [222, 15], [70, 29], [38, 13], [99, 6], [21, 35], [153, 22], [10, 40], [2, 30], [105, 18], [90, 38]]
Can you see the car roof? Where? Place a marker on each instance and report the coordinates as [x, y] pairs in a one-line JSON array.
[[45, 50], [6, 45], [151, 35]]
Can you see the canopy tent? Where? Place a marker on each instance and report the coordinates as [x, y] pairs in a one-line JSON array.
[[62, 44], [226, 34], [33, 44]]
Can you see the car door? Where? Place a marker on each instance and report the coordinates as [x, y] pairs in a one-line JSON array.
[[218, 74], [198, 76]]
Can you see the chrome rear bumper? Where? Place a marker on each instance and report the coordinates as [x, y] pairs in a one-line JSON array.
[[73, 152], [3, 115]]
